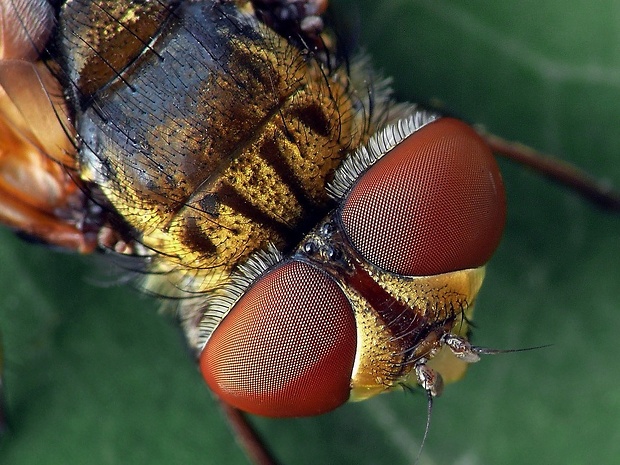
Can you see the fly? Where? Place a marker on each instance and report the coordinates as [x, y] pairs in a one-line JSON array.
[[219, 228]]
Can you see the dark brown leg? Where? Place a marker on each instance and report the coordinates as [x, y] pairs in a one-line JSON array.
[[594, 190], [248, 438]]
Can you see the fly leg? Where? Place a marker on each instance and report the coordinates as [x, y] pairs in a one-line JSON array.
[[294, 19], [247, 437], [601, 194]]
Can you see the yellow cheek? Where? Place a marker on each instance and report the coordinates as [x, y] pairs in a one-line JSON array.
[[437, 304]]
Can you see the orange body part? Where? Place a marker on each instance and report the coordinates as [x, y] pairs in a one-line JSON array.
[[39, 195]]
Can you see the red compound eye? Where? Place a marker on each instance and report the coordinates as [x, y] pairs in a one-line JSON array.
[[433, 204], [286, 348]]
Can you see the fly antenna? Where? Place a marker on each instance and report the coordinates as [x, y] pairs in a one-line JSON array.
[[463, 350], [489, 351]]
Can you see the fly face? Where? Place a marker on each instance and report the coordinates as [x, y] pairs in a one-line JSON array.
[[500, 303]]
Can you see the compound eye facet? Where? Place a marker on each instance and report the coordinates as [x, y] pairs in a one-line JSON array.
[[286, 348], [433, 204]]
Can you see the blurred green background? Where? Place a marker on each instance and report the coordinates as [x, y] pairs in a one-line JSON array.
[[94, 375]]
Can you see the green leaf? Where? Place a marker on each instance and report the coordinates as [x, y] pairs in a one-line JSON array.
[[94, 375]]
